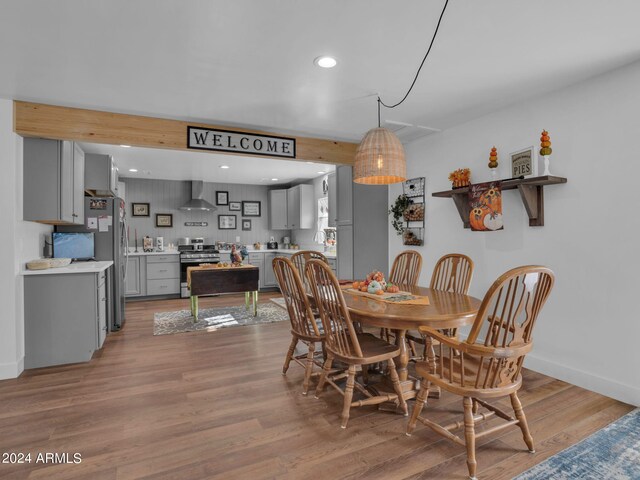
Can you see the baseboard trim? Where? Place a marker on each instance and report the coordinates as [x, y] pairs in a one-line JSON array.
[[11, 370], [620, 391]]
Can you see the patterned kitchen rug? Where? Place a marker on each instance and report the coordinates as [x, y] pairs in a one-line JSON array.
[[612, 453], [212, 319], [279, 301]]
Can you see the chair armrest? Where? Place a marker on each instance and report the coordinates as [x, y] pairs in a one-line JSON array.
[[476, 349], [444, 339]]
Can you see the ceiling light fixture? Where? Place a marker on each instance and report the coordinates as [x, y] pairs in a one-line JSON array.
[[325, 61], [224, 166], [380, 158], [125, 146], [274, 179], [133, 170]]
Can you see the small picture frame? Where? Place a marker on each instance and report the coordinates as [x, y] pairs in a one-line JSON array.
[[251, 208], [227, 222], [246, 224], [140, 209], [222, 197], [524, 162], [235, 206], [164, 220]]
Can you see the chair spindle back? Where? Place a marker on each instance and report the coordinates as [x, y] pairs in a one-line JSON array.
[[340, 332], [406, 268], [300, 260], [452, 273], [298, 307]]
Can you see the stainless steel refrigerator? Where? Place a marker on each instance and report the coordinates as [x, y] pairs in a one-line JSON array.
[[106, 219]]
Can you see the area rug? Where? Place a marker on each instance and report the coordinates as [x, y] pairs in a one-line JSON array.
[[280, 302], [612, 453], [212, 319]]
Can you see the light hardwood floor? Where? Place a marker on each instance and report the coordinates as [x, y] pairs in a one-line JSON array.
[[215, 405]]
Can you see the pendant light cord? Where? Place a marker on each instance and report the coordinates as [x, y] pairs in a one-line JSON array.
[[435, 33]]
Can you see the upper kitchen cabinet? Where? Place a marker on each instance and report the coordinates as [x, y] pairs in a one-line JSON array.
[[333, 200], [292, 209], [53, 182], [100, 175], [344, 195]]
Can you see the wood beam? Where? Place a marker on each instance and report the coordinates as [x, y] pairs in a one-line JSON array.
[[94, 126]]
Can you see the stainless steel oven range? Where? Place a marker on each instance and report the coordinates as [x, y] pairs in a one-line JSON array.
[[192, 255]]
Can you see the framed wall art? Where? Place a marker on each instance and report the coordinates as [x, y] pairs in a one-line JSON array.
[[140, 209], [222, 197], [251, 209], [164, 220], [235, 206], [227, 222], [524, 162], [246, 224]]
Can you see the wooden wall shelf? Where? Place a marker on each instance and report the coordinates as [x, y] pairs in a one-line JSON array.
[[531, 192]]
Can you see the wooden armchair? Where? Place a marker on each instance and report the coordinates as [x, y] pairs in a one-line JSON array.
[[304, 327], [488, 364], [344, 344], [452, 273], [300, 259]]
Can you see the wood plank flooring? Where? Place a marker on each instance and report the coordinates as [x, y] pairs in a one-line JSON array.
[[216, 406]]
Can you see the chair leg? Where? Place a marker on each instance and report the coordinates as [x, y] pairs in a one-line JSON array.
[[417, 408], [348, 395], [470, 436], [393, 373], [287, 361], [526, 434], [326, 368], [309, 368]]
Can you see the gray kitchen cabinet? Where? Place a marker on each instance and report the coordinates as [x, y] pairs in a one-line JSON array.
[[333, 202], [100, 176], [333, 263], [344, 250], [257, 259], [344, 195], [163, 275], [270, 280], [65, 317], [300, 207], [136, 283], [53, 182], [278, 209], [293, 207]]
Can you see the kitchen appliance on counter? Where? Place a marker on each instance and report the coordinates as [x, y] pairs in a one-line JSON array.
[[194, 252], [287, 242], [272, 244], [111, 244]]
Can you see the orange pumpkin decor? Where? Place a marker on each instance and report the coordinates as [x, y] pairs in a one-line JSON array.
[[485, 202], [493, 158], [545, 143]]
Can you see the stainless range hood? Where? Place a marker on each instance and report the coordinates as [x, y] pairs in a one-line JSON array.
[[197, 202]]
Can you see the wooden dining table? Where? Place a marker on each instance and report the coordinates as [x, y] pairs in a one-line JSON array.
[[446, 310]]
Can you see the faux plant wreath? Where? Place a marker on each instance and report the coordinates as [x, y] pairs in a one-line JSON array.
[[397, 210]]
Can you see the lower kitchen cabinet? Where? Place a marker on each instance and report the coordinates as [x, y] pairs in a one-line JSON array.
[[136, 282], [65, 317], [269, 277]]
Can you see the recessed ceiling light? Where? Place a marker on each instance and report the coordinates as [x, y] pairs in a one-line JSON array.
[[224, 166], [274, 179], [325, 61], [133, 170], [322, 172], [125, 146]]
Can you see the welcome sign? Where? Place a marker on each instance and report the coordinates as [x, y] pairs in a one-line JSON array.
[[238, 142]]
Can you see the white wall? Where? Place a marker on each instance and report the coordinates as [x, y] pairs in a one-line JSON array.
[[19, 242], [588, 332]]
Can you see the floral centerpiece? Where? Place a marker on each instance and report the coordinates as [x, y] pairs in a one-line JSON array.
[[460, 177]]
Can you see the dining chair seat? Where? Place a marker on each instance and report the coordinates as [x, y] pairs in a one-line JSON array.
[[374, 350]]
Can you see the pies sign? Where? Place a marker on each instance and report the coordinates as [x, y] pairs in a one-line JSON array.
[[200, 138]]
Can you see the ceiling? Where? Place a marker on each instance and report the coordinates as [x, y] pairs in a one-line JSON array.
[[250, 63], [182, 165]]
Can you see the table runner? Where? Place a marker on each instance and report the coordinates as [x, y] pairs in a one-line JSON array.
[[401, 298]]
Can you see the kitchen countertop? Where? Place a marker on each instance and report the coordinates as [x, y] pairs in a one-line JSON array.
[[140, 253], [278, 250], [79, 267]]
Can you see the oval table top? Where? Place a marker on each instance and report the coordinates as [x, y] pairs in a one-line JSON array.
[[445, 310]]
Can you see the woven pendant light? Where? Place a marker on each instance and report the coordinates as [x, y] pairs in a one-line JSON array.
[[380, 159]]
